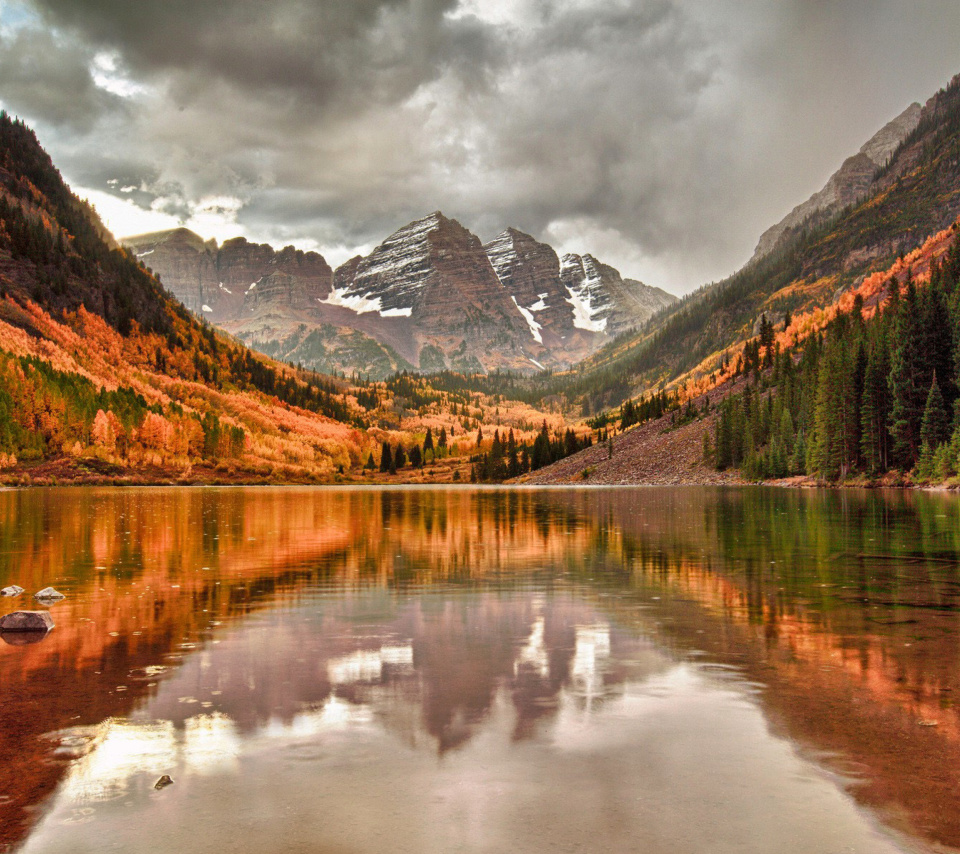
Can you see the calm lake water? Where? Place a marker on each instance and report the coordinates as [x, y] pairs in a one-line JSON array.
[[341, 671]]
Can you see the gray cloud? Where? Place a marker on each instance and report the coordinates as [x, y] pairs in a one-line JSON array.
[[50, 78], [662, 135]]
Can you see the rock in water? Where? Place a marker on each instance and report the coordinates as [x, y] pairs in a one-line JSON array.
[[163, 782], [12, 590], [26, 621], [48, 593]]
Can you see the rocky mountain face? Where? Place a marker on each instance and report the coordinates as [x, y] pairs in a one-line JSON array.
[[429, 297], [223, 282], [853, 181]]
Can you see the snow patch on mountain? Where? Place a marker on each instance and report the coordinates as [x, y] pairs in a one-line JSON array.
[[587, 296], [528, 316], [362, 303]]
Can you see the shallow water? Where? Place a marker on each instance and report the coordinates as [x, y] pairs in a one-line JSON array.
[[359, 670]]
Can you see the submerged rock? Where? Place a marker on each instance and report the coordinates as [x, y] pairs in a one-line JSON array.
[[163, 782], [12, 590], [26, 621], [48, 593]]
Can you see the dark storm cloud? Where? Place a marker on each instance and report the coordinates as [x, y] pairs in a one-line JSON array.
[[662, 135], [320, 53], [50, 78]]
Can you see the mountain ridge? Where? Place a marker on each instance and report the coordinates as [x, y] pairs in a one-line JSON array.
[[429, 297]]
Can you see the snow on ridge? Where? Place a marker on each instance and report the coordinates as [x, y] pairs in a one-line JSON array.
[[542, 368], [145, 254], [528, 316], [401, 254], [502, 251], [223, 287], [397, 312], [205, 307]]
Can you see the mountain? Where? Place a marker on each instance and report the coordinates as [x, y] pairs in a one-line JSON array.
[[107, 377], [269, 299], [428, 298], [434, 277], [913, 195], [851, 182]]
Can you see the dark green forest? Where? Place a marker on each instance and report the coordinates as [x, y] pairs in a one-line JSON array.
[[862, 398]]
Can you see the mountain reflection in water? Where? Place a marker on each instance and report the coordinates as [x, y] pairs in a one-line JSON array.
[[481, 669]]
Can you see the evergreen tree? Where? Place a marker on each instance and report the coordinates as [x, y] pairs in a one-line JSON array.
[[875, 408], [386, 458], [938, 343], [907, 386], [513, 460], [935, 427]]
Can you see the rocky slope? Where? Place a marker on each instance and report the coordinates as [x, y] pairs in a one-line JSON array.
[[429, 297], [854, 180]]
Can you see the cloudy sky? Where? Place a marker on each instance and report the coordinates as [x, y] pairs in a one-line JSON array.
[[663, 136]]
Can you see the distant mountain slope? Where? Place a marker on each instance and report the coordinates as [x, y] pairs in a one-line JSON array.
[[850, 183], [914, 195], [429, 297]]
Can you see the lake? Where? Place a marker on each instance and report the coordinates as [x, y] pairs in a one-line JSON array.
[[358, 670]]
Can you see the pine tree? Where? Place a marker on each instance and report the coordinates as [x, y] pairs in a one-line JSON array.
[[907, 387], [386, 458], [935, 427], [835, 423], [875, 408], [938, 340]]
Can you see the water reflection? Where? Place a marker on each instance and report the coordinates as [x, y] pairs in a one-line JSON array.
[[617, 661]]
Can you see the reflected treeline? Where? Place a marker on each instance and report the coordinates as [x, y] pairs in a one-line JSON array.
[[263, 604]]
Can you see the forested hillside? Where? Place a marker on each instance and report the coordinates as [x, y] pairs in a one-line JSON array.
[[875, 390], [918, 195]]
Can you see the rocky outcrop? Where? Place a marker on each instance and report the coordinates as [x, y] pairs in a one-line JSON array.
[[852, 181], [530, 273], [603, 301]]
